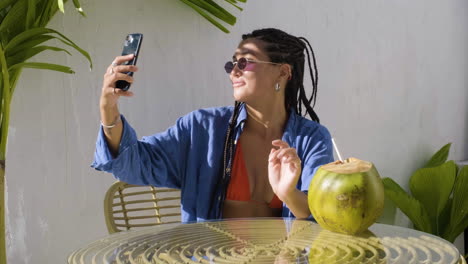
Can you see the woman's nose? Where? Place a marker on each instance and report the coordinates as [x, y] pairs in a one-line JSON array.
[[236, 71]]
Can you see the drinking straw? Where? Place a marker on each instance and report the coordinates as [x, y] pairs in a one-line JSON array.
[[336, 150]]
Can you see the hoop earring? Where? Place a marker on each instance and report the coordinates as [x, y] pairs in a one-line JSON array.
[[277, 87]]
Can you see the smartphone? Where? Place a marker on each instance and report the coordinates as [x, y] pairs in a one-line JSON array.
[[132, 45]]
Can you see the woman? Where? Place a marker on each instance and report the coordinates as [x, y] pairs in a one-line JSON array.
[[255, 159]]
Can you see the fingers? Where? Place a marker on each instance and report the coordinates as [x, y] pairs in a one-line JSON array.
[[117, 67], [115, 92], [122, 77], [286, 154], [115, 70], [280, 143], [117, 61], [120, 92], [121, 59], [123, 68]]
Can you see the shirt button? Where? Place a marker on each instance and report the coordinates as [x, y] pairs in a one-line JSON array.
[[219, 198], [228, 170]]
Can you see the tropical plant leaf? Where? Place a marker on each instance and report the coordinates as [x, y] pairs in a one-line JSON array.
[[32, 52], [216, 10], [234, 3], [43, 66], [432, 187], [31, 14], [14, 21], [444, 218], [49, 8], [206, 16], [454, 231], [78, 8], [29, 44], [6, 3], [459, 212], [37, 32], [26, 35], [408, 205], [14, 77], [211, 11], [440, 157], [4, 11], [60, 6]]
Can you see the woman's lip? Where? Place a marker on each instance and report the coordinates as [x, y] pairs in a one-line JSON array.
[[237, 84]]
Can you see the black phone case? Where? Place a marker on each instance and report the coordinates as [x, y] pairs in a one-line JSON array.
[[132, 45]]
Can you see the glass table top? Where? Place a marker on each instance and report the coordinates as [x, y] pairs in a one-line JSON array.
[[266, 240]]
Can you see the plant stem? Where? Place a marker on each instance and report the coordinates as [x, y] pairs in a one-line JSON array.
[[5, 111], [6, 104]]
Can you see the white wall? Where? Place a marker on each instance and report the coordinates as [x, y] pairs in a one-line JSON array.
[[392, 90]]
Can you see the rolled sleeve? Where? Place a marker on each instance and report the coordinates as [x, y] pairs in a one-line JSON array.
[[156, 160], [103, 158], [321, 153]]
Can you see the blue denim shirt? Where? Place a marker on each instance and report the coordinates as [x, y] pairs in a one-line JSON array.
[[189, 156]]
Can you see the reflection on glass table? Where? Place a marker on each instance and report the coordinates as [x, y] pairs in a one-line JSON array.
[[266, 240]]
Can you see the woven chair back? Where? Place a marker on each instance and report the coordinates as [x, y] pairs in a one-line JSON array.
[[129, 206]]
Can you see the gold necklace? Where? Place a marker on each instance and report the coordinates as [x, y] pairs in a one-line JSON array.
[[266, 125]]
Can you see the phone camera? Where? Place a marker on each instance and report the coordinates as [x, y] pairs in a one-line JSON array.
[[128, 40]]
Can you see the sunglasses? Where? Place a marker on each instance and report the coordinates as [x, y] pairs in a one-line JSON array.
[[243, 63]]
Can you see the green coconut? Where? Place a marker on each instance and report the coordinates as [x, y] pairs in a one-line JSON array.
[[346, 197]]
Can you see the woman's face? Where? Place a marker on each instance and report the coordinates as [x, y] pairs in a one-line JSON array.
[[256, 82]]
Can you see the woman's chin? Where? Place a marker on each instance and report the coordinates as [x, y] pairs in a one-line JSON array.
[[239, 95]]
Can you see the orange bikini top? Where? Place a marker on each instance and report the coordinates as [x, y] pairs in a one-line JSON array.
[[239, 188]]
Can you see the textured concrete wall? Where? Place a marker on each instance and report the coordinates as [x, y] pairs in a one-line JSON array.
[[392, 90]]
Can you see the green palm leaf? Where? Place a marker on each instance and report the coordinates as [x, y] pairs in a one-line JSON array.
[[38, 32], [60, 6], [29, 44], [408, 205], [14, 21], [22, 29], [43, 66], [432, 187], [216, 10], [47, 10], [234, 3], [31, 14], [211, 11], [12, 60], [26, 35], [6, 3], [206, 15], [77, 5]]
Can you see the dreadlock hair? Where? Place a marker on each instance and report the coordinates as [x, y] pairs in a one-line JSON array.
[[281, 47]]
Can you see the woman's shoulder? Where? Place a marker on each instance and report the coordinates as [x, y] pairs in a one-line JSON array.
[[212, 112], [210, 115], [307, 127]]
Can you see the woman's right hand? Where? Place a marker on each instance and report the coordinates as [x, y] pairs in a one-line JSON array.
[[115, 72], [110, 116]]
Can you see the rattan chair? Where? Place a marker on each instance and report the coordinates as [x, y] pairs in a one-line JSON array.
[[129, 206]]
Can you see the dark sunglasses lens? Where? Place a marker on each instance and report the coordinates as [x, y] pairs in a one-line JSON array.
[[229, 66], [241, 63]]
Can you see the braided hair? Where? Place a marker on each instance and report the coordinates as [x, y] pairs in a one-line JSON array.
[[280, 47]]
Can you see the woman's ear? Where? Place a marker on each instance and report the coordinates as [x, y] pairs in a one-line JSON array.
[[285, 71]]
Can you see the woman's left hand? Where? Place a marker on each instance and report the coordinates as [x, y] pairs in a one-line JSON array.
[[284, 169]]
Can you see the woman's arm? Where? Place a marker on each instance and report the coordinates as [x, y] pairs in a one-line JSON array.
[[108, 103], [284, 170]]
